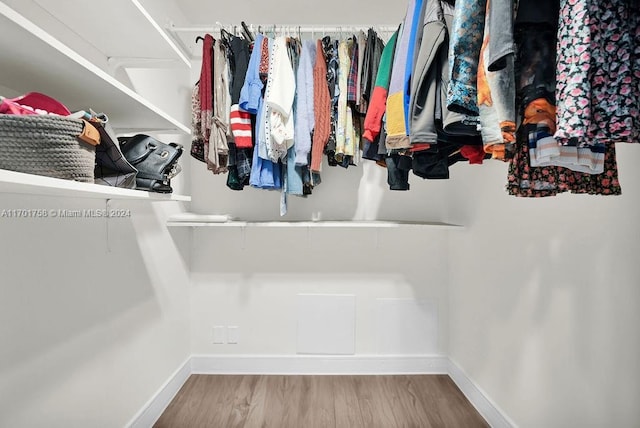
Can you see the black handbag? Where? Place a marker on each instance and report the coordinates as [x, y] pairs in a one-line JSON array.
[[112, 168], [156, 162]]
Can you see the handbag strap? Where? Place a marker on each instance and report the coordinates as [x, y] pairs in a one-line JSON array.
[[150, 146]]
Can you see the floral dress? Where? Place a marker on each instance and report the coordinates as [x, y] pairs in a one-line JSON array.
[[598, 72]]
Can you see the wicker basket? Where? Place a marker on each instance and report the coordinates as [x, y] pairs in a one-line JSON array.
[[46, 145]]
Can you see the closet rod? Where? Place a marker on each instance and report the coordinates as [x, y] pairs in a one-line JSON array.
[[302, 28]]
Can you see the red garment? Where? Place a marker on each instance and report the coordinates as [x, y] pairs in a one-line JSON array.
[[206, 92], [418, 147], [475, 153], [240, 122], [377, 107], [264, 60], [321, 109]]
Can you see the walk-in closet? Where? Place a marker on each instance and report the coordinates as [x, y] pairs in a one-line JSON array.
[[334, 214]]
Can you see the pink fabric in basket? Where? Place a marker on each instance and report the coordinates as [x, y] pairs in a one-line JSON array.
[[33, 103]]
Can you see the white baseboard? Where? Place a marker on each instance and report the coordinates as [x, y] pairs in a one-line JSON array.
[[319, 364], [153, 408], [495, 417]]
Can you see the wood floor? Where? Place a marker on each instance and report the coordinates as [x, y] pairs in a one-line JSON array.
[[319, 401]]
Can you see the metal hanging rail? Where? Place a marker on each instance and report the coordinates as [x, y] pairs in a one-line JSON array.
[[314, 30], [292, 28]]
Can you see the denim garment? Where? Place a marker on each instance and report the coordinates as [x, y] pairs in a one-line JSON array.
[[251, 91]]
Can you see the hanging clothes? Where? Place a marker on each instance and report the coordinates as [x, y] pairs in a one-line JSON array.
[[428, 112], [240, 118], [197, 138], [370, 64], [321, 108], [292, 173], [536, 34], [330, 48], [598, 76], [496, 80], [218, 150], [362, 45], [279, 97], [202, 103], [305, 120], [398, 126], [344, 129], [373, 120], [467, 34], [238, 53], [251, 92], [264, 173]]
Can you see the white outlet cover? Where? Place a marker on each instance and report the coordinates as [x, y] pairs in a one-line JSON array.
[[219, 335], [233, 334]]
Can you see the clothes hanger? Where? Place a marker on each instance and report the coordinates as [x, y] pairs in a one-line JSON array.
[[246, 32], [199, 38]]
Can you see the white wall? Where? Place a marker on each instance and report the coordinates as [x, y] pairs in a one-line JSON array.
[[93, 314], [251, 280], [545, 299]]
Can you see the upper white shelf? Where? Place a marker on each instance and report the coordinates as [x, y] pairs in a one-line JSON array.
[[20, 183], [33, 60], [121, 29], [195, 220]]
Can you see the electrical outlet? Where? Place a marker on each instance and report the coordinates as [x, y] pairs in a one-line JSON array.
[[233, 334], [219, 334]]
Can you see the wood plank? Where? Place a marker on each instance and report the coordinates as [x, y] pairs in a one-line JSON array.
[[425, 387], [241, 401], [316, 404], [221, 402], [257, 408], [376, 411], [185, 408], [346, 404], [292, 395], [452, 409], [405, 401]]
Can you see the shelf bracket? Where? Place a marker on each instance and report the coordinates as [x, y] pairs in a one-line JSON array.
[[107, 208], [116, 63]]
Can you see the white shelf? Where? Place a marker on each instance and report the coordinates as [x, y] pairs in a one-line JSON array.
[[33, 60], [192, 220], [29, 184], [121, 29]]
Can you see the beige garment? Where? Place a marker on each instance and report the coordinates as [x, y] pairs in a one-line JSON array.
[[345, 135], [218, 152]]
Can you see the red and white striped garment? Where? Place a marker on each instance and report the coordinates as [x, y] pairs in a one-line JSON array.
[[241, 127]]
